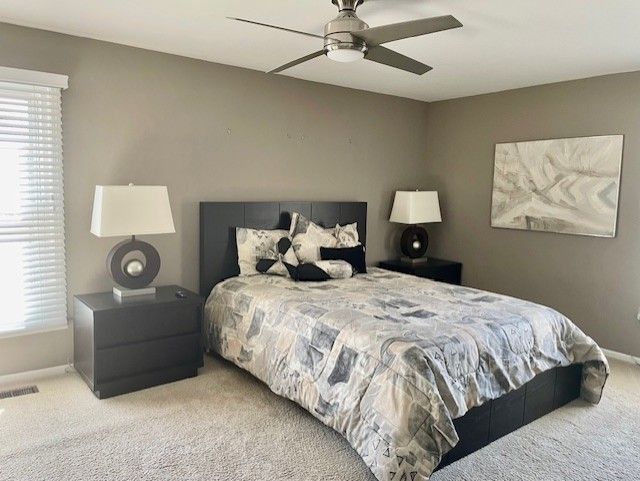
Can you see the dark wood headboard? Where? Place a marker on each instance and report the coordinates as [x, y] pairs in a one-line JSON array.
[[218, 220]]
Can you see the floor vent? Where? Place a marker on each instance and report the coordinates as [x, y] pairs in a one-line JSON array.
[[21, 391]]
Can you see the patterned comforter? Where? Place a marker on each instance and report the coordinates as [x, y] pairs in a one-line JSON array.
[[389, 360]]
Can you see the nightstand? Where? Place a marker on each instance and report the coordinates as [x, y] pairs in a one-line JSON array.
[[436, 269], [125, 345]]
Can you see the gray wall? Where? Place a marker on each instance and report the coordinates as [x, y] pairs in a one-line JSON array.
[[213, 132], [208, 132], [596, 282]]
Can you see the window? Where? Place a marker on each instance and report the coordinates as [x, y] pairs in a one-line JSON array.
[[32, 255]]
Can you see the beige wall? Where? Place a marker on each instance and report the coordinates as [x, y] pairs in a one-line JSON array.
[[596, 282], [209, 132]]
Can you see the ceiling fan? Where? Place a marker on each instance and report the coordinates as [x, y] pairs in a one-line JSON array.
[[347, 38]]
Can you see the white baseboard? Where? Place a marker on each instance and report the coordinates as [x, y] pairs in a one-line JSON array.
[[621, 356], [31, 376]]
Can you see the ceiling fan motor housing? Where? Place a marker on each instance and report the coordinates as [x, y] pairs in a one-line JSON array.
[[347, 4], [337, 33]]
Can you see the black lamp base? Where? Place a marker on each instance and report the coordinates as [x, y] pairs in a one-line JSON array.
[[134, 274], [414, 243]]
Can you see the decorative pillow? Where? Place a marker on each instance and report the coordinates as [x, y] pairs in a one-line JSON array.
[[347, 235], [308, 237], [253, 245], [353, 255], [280, 261], [323, 271]]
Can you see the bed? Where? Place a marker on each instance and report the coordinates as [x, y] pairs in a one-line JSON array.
[[414, 373]]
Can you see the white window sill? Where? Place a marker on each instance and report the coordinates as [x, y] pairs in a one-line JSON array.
[[29, 332]]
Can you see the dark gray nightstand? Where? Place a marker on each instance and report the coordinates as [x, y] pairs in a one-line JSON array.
[[123, 346], [436, 269]]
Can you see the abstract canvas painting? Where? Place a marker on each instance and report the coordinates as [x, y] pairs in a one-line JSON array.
[[568, 186]]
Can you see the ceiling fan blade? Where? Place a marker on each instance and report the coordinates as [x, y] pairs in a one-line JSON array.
[[388, 57], [414, 28], [299, 61], [276, 27]]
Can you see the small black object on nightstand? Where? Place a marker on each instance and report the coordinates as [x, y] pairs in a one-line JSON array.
[[436, 269], [126, 345]]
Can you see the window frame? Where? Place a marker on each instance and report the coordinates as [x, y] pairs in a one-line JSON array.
[[10, 75]]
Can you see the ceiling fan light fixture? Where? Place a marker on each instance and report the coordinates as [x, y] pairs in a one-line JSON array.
[[345, 55]]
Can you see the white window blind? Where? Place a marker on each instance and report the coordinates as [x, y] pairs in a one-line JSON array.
[[32, 251]]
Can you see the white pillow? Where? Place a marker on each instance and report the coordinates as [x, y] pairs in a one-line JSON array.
[[336, 269], [253, 245], [307, 237], [347, 235], [307, 244]]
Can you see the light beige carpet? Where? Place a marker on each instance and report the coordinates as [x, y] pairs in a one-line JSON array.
[[225, 425]]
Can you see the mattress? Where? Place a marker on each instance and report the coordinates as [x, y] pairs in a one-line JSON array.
[[389, 360]]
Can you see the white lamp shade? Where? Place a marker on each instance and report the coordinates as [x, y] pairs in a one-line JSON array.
[[415, 208], [126, 210]]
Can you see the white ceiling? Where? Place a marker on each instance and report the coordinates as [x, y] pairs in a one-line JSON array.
[[504, 44]]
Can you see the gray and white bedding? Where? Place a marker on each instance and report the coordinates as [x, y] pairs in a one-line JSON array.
[[389, 360]]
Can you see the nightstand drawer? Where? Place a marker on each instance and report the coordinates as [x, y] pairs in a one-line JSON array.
[[450, 275], [132, 359], [144, 323], [436, 269]]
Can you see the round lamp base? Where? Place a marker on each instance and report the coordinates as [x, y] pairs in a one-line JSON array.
[[414, 241], [134, 273]]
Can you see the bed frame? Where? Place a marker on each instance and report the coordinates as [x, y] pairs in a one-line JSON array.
[[478, 427], [484, 424]]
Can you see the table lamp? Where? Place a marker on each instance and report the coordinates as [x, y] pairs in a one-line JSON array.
[[415, 208], [131, 210]]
